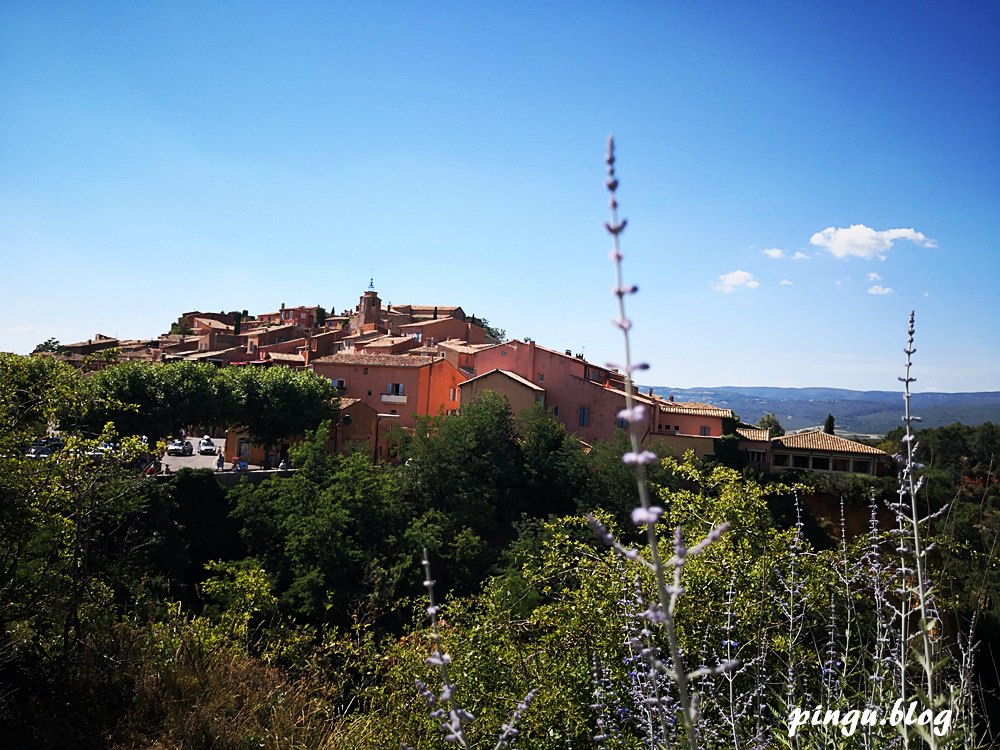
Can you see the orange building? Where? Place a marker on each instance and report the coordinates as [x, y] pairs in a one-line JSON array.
[[585, 397], [397, 385]]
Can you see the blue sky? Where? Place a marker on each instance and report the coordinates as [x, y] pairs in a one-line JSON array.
[[797, 176]]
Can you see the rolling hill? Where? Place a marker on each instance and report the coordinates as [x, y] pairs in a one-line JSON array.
[[863, 412]]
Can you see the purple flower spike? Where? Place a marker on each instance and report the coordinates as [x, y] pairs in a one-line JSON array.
[[646, 457], [649, 515], [635, 414]]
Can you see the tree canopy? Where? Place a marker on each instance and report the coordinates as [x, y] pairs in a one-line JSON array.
[[156, 400], [770, 422]]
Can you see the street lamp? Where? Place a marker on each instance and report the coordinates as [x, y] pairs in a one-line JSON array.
[[378, 419]]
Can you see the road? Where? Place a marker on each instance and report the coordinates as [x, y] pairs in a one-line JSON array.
[[189, 462]]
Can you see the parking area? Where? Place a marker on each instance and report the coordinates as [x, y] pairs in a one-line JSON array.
[[189, 462]]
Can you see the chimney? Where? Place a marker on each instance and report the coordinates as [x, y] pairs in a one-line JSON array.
[[670, 398], [569, 352]]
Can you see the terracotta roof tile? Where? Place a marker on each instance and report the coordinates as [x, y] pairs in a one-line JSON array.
[[821, 441], [695, 408], [375, 360], [753, 433]]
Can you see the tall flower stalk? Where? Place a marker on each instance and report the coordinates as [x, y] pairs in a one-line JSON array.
[[916, 590], [662, 612]]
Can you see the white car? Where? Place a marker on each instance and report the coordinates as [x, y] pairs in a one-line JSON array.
[[206, 447]]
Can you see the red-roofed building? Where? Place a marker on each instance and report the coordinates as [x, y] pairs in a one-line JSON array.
[[819, 451]]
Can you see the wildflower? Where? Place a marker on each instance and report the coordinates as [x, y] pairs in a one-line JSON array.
[[644, 457], [649, 515], [636, 414]]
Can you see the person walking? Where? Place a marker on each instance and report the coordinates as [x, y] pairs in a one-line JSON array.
[[220, 462]]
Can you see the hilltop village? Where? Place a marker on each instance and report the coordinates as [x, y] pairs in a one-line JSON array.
[[394, 363]]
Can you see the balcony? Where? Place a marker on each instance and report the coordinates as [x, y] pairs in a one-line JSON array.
[[388, 398]]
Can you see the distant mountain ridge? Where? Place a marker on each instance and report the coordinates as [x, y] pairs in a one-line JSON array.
[[863, 412]]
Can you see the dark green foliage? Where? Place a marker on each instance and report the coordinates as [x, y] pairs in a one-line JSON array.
[[727, 451], [469, 469], [49, 345], [157, 400], [276, 402], [141, 398], [497, 334], [333, 535], [555, 475], [829, 425], [770, 422]]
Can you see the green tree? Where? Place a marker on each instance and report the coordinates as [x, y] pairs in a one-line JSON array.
[[276, 403], [49, 345], [829, 425], [770, 422], [320, 316], [497, 334], [156, 400], [556, 480], [333, 535], [468, 470]]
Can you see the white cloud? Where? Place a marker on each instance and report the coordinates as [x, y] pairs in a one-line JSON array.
[[785, 282], [774, 252], [729, 281], [799, 255], [879, 289], [874, 277], [864, 242]]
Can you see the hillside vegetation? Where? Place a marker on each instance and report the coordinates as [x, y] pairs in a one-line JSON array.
[[138, 614]]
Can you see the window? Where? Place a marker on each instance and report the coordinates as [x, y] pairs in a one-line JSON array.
[[677, 428], [365, 372], [800, 462], [555, 411], [451, 394], [541, 377], [392, 411], [821, 463], [395, 389], [369, 393], [503, 353], [780, 459], [621, 423], [705, 430], [861, 466], [584, 416], [339, 383], [841, 464]]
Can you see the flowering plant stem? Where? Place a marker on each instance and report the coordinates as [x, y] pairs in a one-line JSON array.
[[667, 598]]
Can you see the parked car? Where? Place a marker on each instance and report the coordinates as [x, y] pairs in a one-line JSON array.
[[39, 451], [206, 447], [100, 451], [180, 448]]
